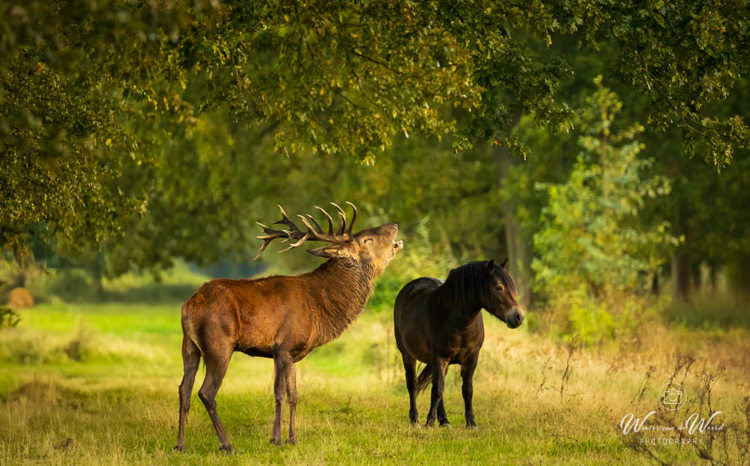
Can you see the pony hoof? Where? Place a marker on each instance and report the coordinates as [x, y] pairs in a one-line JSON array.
[[471, 426], [275, 441], [446, 424]]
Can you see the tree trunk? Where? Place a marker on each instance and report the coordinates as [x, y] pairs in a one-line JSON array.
[[681, 263], [518, 245], [680, 275]]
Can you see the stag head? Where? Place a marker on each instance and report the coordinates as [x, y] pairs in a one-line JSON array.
[[373, 247]]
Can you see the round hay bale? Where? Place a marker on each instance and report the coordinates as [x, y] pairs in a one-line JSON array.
[[20, 298]]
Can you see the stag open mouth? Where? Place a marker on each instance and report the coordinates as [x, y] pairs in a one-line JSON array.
[[397, 246]]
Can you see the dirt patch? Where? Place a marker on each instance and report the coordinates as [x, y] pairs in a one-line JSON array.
[[20, 298]]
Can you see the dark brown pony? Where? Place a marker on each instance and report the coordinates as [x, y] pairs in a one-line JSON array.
[[441, 323]]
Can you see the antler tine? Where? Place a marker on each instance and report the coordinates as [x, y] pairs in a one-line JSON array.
[[354, 218], [314, 230], [270, 234], [285, 220], [315, 223], [342, 228], [294, 245], [328, 216]]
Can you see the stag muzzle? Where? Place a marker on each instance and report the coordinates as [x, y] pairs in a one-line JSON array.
[[397, 245]]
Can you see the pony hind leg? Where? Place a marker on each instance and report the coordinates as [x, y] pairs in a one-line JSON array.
[[441, 414], [191, 357], [438, 367], [410, 372]]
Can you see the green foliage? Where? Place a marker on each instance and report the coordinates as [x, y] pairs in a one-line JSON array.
[[149, 128], [8, 317], [592, 246]]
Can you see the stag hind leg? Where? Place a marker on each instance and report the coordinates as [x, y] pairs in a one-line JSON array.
[[191, 357], [217, 362]]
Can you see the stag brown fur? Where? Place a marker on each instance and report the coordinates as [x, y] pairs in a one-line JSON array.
[[280, 317]]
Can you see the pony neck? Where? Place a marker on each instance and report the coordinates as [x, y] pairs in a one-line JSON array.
[[462, 290]]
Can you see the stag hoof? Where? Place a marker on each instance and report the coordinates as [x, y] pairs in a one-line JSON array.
[[275, 441], [292, 440], [226, 449], [179, 448]]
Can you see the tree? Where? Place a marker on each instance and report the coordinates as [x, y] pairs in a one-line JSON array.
[[593, 246], [93, 92]]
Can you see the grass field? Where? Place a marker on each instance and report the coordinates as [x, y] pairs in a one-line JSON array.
[[97, 384]]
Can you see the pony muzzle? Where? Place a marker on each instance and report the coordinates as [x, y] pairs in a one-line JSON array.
[[515, 317]]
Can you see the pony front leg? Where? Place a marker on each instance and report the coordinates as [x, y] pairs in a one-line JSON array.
[[467, 389], [438, 384]]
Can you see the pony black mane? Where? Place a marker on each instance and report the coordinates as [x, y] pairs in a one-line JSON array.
[[467, 285]]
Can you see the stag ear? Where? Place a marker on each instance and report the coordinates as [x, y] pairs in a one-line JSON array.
[[329, 251], [505, 262]]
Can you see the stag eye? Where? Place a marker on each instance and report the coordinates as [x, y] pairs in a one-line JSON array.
[[367, 240]]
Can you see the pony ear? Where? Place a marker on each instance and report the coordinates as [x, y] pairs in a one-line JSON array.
[[504, 263], [491, 265]]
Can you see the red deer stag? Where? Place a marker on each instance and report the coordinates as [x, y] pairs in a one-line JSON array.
[[280, 317]]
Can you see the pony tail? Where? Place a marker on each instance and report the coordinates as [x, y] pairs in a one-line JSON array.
[[424, 379]]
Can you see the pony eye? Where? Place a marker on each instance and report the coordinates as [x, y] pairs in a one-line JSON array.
[[500, 287]]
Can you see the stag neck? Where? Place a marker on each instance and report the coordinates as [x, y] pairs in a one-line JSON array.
[[345, 288]]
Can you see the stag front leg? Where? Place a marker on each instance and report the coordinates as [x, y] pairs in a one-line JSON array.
[[282, 362], [291, 396], [438, 383]]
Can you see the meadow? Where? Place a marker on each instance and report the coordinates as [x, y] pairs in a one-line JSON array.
[[96, 383]]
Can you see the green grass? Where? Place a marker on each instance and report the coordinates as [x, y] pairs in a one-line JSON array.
[[115, 402]]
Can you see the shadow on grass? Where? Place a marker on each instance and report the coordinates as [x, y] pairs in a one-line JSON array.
[[156, 293]]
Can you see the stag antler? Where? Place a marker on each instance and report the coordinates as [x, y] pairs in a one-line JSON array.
[[314, 230]]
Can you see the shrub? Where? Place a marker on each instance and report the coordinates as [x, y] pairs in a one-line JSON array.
[[593, 245], [8, 317]]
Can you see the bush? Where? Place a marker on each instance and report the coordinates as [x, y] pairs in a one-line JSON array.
[[8, 317], [594, 245]]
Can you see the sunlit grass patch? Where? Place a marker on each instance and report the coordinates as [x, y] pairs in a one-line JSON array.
[[118, 404]]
